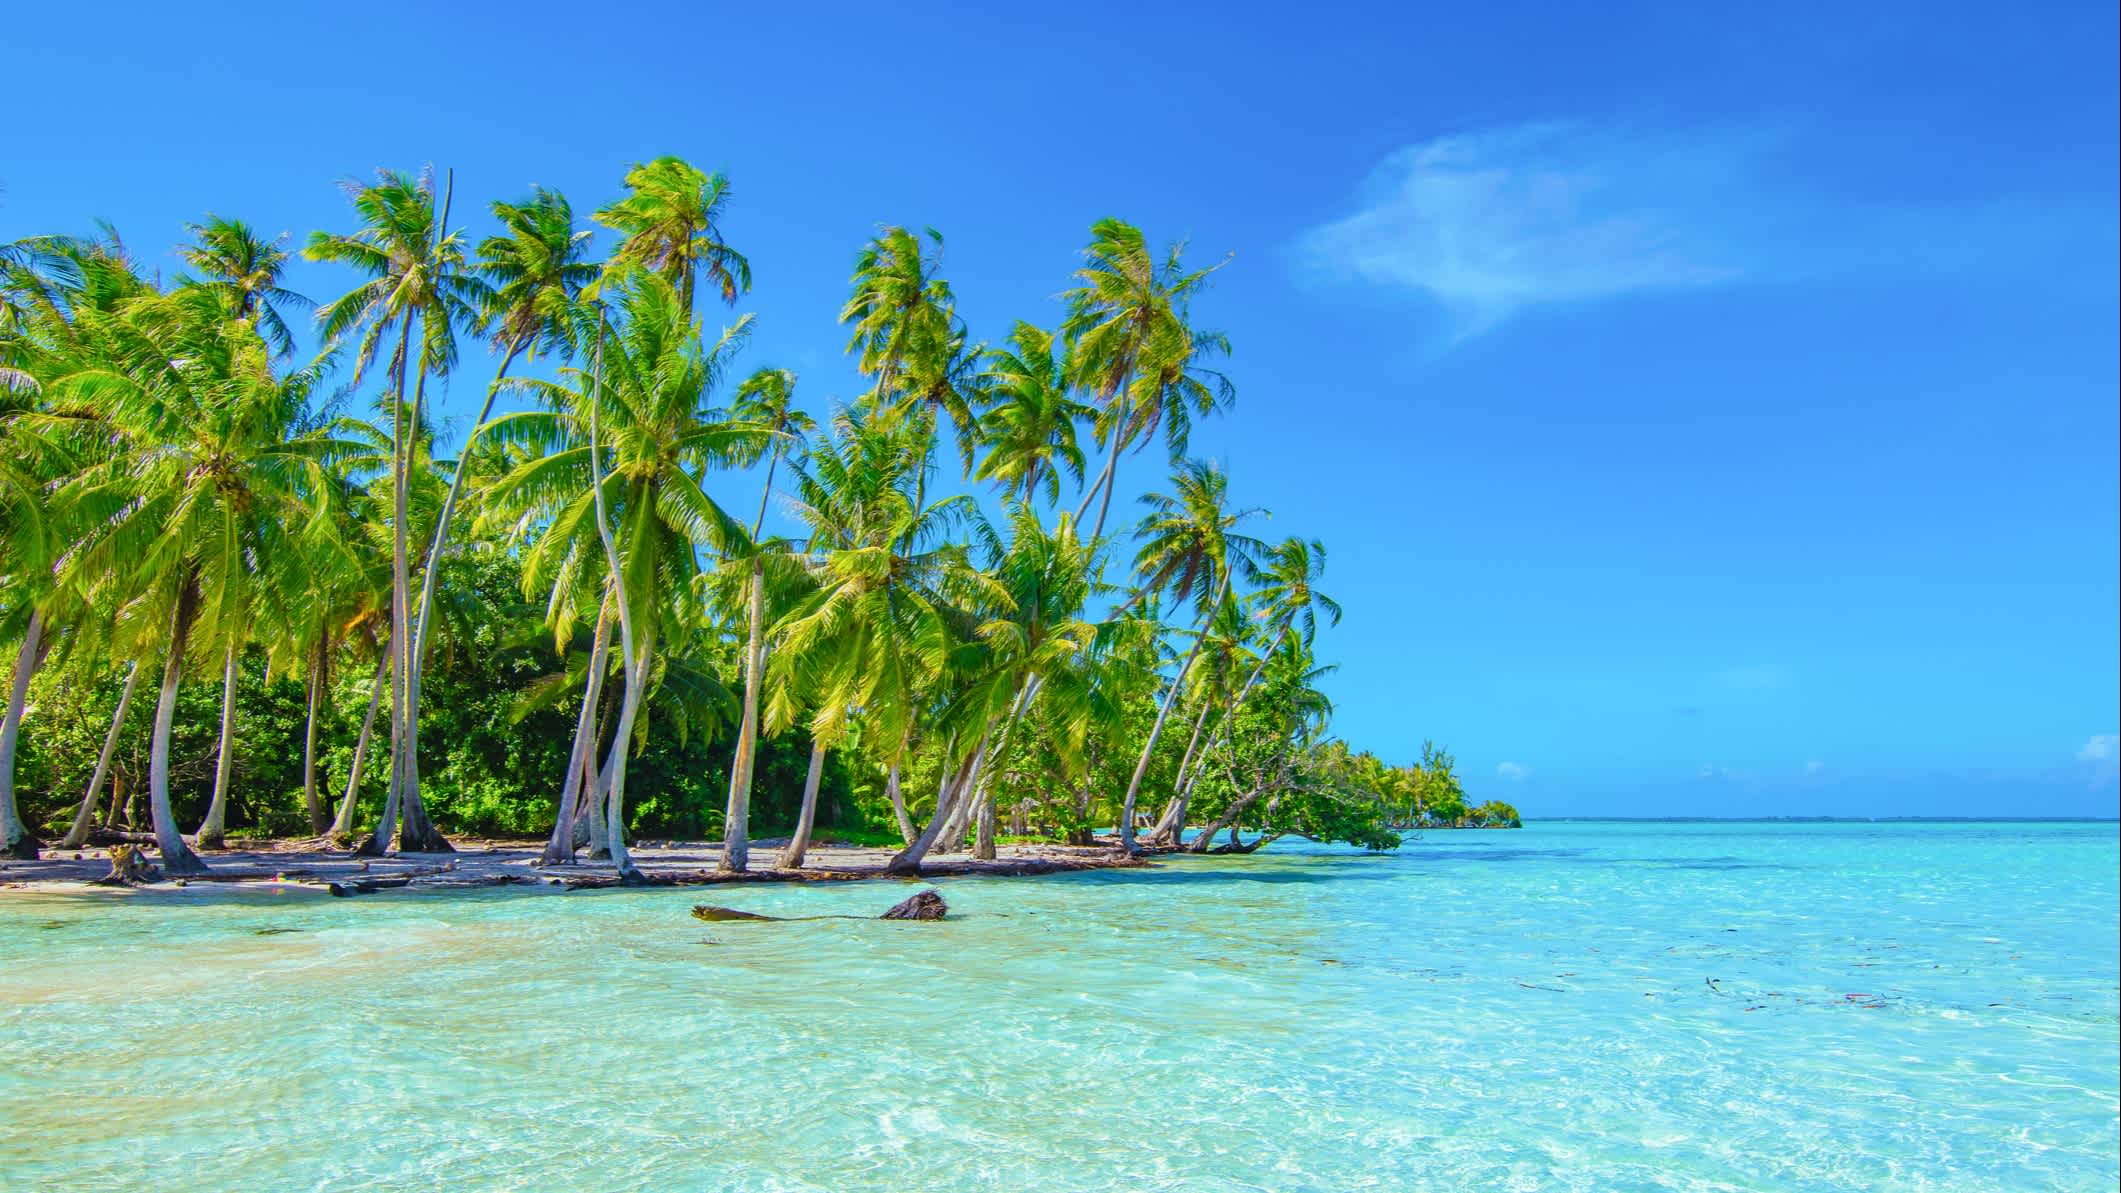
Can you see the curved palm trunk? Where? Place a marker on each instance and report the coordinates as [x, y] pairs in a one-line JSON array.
[[1141, 768], [983, 800], [1174, 817], [908, 860], [423, 838], [85, 815], [736, 836], [214, 828], [1222, 734], [792, 857], [559, 849], [317, 682], [636, 664], [15, 838], [342, 825], [177, 857]]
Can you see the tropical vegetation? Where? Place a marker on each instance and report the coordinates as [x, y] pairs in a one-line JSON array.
[[576, 619]]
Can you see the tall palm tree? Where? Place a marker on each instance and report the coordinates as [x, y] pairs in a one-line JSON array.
[[1136, 349], [417, 274], [232, 257], [764, 401], [1190, 549], [1030, 430], [533, 273], [671, 225], [650, 396]]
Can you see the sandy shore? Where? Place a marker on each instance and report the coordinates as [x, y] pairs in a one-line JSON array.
[[300, 865]]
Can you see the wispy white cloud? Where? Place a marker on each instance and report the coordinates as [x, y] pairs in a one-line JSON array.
[[2103, 747], [1515, 772], [1489, 223], [1756, 677]]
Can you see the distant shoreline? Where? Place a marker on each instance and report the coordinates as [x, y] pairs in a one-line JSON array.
[[1824, 820]]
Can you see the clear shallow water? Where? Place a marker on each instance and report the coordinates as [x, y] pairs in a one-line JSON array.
[[1569, 1006]]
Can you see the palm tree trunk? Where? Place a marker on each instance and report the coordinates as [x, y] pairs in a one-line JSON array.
[[419, 834], [908, 860], [898, 802], [317, 679], [15, 838], [177, 857], [636, 664], [420, 641], [1222, 735], [736, 841], [792, 857], [343, 824], [559, 849], [1174, 818], [1141, 768], [1106, 480], [214, 828], [85, 815], [983, 839]]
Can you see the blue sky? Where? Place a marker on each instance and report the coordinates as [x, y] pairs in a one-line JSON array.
[[1708, 410]]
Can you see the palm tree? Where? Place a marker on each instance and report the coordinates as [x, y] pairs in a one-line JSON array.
[[416, 273], [233, 258], [901, 305], [765, 401], [881, 626], [650, 395], [1190, 549], [1287, 599], [1043, 580], [213, 483], [672, 226], [1030, 431], [1136, 349], [533, 273]]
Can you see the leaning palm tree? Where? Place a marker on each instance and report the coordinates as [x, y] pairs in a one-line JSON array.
[[231, 257], [1287, 600], [1190, 549], [879, 629], [1137, 351], [416, 274], [672, 225]]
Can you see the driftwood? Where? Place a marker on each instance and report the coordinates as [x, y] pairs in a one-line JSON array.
[[927, 905], [128, 867]]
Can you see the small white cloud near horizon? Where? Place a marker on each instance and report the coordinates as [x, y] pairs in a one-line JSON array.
[[2103, 747], [1515, 772]]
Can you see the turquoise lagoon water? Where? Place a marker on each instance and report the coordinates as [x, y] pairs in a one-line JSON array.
[[1570, 1006]]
